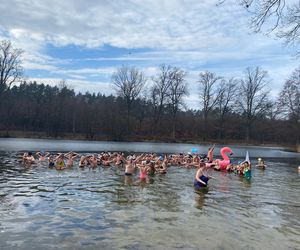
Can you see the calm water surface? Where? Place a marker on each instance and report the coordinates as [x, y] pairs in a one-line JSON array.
[[42, 208]]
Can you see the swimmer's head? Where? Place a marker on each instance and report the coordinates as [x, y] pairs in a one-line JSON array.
[[202, 165], [29, 153]]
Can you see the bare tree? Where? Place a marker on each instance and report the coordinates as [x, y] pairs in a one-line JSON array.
[[47, 110], [263, 10], [159, 92], [129, 83], [253, 100], [10, 65], [291, 30], [177, 91], [281, 17], [289, 101], [209, 94], [225, 102]]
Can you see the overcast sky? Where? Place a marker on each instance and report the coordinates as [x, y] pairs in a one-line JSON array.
[[84, 41]]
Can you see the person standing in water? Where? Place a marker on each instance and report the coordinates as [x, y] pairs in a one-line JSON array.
[[83, 162], [163, 166], [210, 154], [28, 159], [93, 160], [51, 161], [201, 179], [71, 156], [129, 166], [143, 172], [59, 162], [42, 155]]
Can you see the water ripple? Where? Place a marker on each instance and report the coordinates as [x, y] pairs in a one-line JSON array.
[[100, 208]]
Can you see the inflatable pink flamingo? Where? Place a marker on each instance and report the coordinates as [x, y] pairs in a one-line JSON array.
[[226, 161]]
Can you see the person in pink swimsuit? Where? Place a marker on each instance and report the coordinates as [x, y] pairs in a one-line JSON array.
[[143, 172]]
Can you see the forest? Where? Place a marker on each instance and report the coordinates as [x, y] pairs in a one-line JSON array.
[[238, 109]]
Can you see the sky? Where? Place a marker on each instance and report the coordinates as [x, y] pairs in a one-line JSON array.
[[85, 41]]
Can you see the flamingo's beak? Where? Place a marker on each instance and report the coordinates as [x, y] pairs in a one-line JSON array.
[[231, 153]]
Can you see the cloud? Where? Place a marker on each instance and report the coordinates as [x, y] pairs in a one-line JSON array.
[[131, 24], [194, 35]]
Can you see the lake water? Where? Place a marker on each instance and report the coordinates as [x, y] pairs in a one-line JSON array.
[[42, 208]]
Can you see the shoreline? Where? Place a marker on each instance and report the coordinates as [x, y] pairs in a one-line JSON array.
[[80, 137]]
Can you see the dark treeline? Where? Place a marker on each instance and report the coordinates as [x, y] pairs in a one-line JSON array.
[[230, 110], [58, 111]]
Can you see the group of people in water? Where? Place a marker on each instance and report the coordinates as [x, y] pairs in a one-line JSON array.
[[147, 164]]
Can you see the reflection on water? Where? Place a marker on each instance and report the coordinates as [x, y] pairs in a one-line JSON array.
[[100, 208]]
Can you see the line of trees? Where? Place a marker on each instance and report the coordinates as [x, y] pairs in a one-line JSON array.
[[234, 109]]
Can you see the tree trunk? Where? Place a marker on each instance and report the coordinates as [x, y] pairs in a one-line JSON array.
[[174, 128], [128, 118], [204, 127], [247, 133], [74, 123]]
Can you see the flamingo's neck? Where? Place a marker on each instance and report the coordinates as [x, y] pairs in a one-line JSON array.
[[224, 155]]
